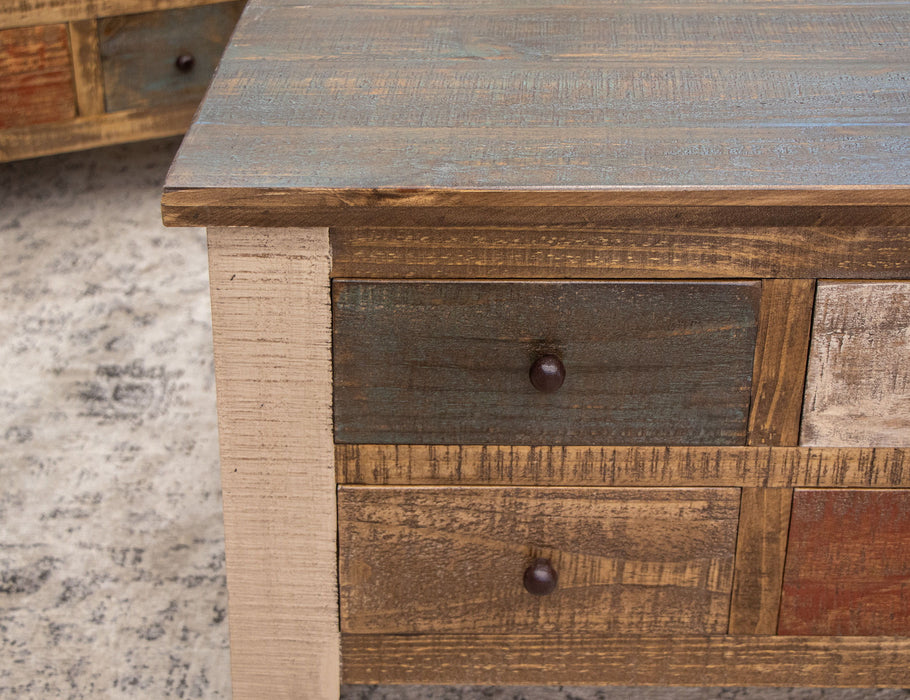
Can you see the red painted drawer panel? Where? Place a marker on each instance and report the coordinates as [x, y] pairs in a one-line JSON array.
[[36, 76], [848, 564]]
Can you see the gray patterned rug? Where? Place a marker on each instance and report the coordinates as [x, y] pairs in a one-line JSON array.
[[111, 545]]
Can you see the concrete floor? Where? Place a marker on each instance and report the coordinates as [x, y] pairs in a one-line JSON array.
[[111, 543]]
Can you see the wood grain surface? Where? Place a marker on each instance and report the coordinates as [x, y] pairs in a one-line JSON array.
[[89, 79], [646, 363], [35, 12], [652, 242], [94, 131], [270, 206], [36, 76], [657, 103], [858, 382], [271, 318], [422, 560], [547, 659], [781, 352], [573, 465], [761, 550], [848, 564], [774, 417], [139, 53]]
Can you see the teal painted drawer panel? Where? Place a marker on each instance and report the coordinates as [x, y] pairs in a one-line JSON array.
[[649, 363], [139, 54]]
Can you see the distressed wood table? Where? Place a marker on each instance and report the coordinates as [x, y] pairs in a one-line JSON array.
[[561, 344]]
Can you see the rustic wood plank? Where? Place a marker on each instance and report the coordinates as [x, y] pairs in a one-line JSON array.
[[271, 206], [858, 381], [777, 388], [681, 103], [848, 566], [139, 54], [271, 319], [623, 466], [665, 242], [94, 131], [761, 550], [646, 363], [781, 353], [24, 13], [532, 33], [87, 59], [588, 660], [421, 560], [589, 87], [36, 76], [410, 185]]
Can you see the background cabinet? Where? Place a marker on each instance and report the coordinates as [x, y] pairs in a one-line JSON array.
[[80, 74]]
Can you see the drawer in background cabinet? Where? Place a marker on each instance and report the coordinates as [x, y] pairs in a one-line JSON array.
[[858, 381], [536, 560], [163, 58], [622, 363], [36, 76]]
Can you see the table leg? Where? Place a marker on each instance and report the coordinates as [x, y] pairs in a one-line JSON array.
[[271, 316]]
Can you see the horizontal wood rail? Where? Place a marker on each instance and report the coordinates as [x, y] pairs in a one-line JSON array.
[[782, 467], [861, 662]]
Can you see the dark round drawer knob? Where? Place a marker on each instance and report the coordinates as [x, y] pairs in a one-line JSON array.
[[547, 373], [540, 578], [185, 62]]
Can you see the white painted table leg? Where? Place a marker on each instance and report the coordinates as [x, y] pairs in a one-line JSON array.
[[271, 314]]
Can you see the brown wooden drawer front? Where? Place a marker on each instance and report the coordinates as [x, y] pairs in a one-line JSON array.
[[418, 560], [139, 54], [36, 76], [848, 564], [447, 362], [858, 383]]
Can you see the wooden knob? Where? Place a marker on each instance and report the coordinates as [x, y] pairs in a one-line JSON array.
[[547, 373], [185, 62], [540, 578]]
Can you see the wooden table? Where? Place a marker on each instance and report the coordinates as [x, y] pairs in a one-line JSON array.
[[561, 344]]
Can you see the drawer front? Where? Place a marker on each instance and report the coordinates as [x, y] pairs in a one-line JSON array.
[[139, 54], [448, 362], [419, 560], [36, 76], [848, 564], [858, 382]]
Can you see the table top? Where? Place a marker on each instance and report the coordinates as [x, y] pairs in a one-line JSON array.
[[402, 106]]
